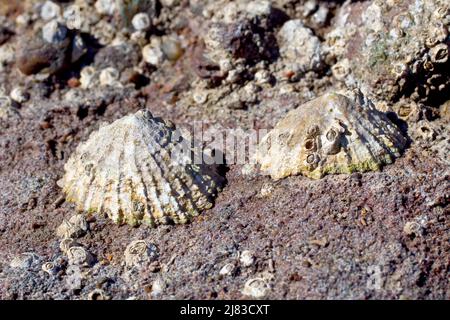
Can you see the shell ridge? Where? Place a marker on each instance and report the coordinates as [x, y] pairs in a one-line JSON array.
[[190, 201], [144, 186], [159, 190]]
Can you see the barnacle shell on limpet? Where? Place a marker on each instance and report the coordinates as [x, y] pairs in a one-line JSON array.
[[133, 171], [335, 133]]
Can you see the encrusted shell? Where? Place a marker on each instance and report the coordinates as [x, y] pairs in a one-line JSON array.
[[334, 133], [134, 170]]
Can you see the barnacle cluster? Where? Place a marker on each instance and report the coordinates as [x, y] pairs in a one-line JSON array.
[[405, 44], [134, 171], [241, 33], [335, 133]]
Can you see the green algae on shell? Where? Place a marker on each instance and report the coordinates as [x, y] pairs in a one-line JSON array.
[[132, 171], [335, 133]]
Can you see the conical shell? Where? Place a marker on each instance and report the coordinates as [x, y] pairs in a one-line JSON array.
[[335, 133], [129, 170]]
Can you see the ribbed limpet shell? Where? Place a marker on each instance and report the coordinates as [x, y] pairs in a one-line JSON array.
[[132, 171], [335, 133]]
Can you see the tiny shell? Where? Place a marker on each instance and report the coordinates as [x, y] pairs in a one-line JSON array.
[[138, 252], [66, 244], [75, 227], [256, 288], [332, 134], [227, 269], [50, 268], [132, 171], [98, 294], [247, 258], [79, 256]]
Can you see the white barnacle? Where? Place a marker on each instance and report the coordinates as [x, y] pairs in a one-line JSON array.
[[98, 294], [66, 244], [79, 256], [138, 252], [256, 288], [50, 268], [109, 77], [88, 77], [141, 21], [75, 227], [247, 258], [50, 10]]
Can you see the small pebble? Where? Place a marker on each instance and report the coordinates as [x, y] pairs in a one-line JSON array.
[[74, 277], [158, 287], [200, 96], [23, 260], [171, 47], [262, 76]]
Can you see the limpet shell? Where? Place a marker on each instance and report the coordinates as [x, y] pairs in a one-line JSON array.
[[133, 171], [335, 133]]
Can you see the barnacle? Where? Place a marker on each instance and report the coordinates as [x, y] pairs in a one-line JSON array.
[[66, 244], [402, 49], [79, 256], [50, 268], [75, 227], [334, 133], [137, 170], [139, 252]]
